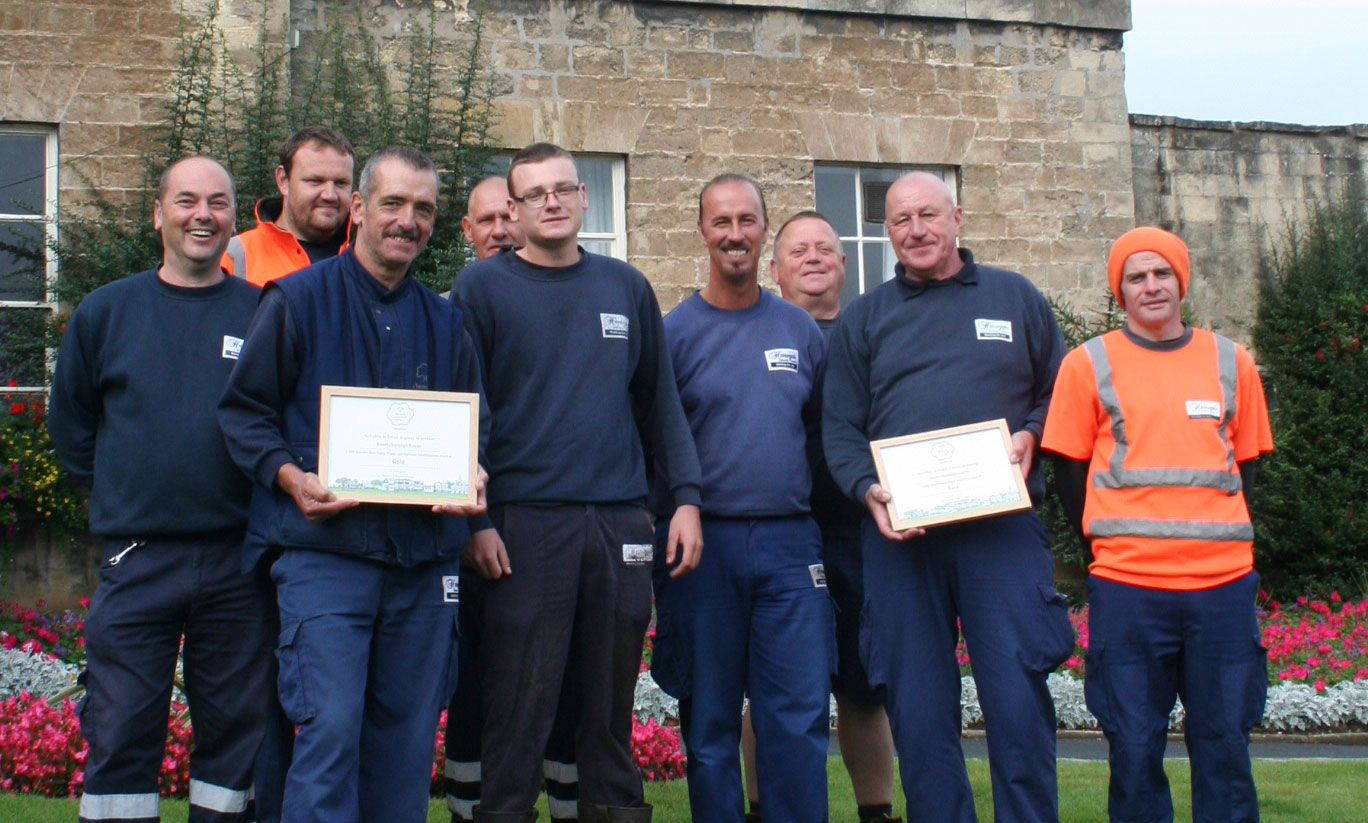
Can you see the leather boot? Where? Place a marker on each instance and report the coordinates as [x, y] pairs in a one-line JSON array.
[[482, 816]]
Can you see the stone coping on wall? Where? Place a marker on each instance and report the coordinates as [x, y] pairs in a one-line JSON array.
[[1356, 130], [1113, 15]]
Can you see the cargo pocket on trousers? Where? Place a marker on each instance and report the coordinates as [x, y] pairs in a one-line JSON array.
[[1048, 636], [454, 659], [1256, 695], [670, 658], [295, 699]]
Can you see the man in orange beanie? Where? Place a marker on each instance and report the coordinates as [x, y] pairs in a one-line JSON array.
[[1157, 427]]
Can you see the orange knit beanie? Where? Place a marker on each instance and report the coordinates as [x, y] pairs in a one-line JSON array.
[[1148, 238]]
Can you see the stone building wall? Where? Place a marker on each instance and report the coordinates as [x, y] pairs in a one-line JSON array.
[[1229, 189], [99, 69], [1032, 115]]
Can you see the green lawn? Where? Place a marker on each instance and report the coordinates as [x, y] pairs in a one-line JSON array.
[[1289, 792]]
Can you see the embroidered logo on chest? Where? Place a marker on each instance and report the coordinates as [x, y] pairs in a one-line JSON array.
[[614, 326], [1198, 409], [782, 360], [232, 347], [993, 329], [451, 588]]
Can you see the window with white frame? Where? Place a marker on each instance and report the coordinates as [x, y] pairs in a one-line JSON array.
[[852, 198], [605, 181], [28, 206]]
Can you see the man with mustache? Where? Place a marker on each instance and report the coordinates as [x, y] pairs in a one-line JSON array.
[[368, 620], [949, 342], [309, 221], [755, 618], [141, 367], [580, 383]]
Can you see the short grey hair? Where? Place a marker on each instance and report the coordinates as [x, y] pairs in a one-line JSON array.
[[408, 155]]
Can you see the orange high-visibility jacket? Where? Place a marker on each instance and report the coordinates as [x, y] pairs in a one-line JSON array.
[[267, 252], [1163, 430]]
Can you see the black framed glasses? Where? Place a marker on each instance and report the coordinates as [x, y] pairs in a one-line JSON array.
[[537, 199]]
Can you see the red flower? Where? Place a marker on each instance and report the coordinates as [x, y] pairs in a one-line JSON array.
[[18, 408]]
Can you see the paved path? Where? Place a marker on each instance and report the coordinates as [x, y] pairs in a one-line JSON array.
[[1091, 746]]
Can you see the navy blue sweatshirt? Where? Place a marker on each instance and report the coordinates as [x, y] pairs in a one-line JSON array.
[[138, 378], [750, 382], [910, 357], [334, 324], [577, 375], [836, 514]]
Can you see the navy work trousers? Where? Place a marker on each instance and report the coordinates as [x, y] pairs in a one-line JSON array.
[[753, 619], [995, 577], [564, 629], [152, 592], [465, 725], [367, 661], [1148, 646]]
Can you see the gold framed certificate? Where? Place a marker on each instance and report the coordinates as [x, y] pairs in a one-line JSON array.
[[949, 475], [399, 445]]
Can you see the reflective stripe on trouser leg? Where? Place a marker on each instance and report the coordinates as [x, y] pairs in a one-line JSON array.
[[121, 806], [465, 713], [462, 785], [213, 798]]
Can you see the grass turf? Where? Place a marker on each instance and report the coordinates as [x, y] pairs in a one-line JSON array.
[[1290, 791]]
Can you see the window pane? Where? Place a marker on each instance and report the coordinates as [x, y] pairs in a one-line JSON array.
[[21, 346], [22, 258], [878, 264], [851, 288], [597, 175], [600, 247], [835, 195], [24, 173]]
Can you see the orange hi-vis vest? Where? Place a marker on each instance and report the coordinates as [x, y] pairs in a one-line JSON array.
[[266, 252], [1163, 431]]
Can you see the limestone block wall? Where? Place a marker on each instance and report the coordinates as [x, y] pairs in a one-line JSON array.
[[1032, 115], [98, 69], [1229, 189]]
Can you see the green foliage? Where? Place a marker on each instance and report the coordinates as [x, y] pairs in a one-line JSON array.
[[1310, 517], [341, 79]]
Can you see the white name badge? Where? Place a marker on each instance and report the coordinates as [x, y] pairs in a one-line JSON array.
[[637, 554], [782, 359], [1204, 408], [232, 347], [993, 330], [451, 588], [614, 326], [818, 572]]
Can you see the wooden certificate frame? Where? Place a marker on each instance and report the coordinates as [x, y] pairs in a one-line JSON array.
[[399, 445], [950, 475]]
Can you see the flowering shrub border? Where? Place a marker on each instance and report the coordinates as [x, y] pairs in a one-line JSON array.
[[33, 484]]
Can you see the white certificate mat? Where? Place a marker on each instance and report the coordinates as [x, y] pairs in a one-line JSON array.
[[948, 475], [398, 445]]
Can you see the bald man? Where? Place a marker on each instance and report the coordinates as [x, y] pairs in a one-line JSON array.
[[142, 366], [948, 342], [486, 224]]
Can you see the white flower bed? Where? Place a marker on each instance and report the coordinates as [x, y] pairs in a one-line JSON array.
[[35, 673], [1291, 707]]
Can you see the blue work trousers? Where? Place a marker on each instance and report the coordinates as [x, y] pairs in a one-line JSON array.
[[367, 661], [1148, 646], [151, 593], [995, 577], [753, 619]]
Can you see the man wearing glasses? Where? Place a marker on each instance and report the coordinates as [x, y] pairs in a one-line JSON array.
[[579, 383]]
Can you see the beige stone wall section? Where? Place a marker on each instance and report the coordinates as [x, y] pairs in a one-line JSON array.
[[1228, 189], [1033, 115], [98, 69]]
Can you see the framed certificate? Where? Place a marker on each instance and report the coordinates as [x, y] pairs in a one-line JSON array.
[[398, 445], [949, 475]]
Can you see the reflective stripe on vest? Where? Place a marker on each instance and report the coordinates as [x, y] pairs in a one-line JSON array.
[[1119, 477], [1170, 529]]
